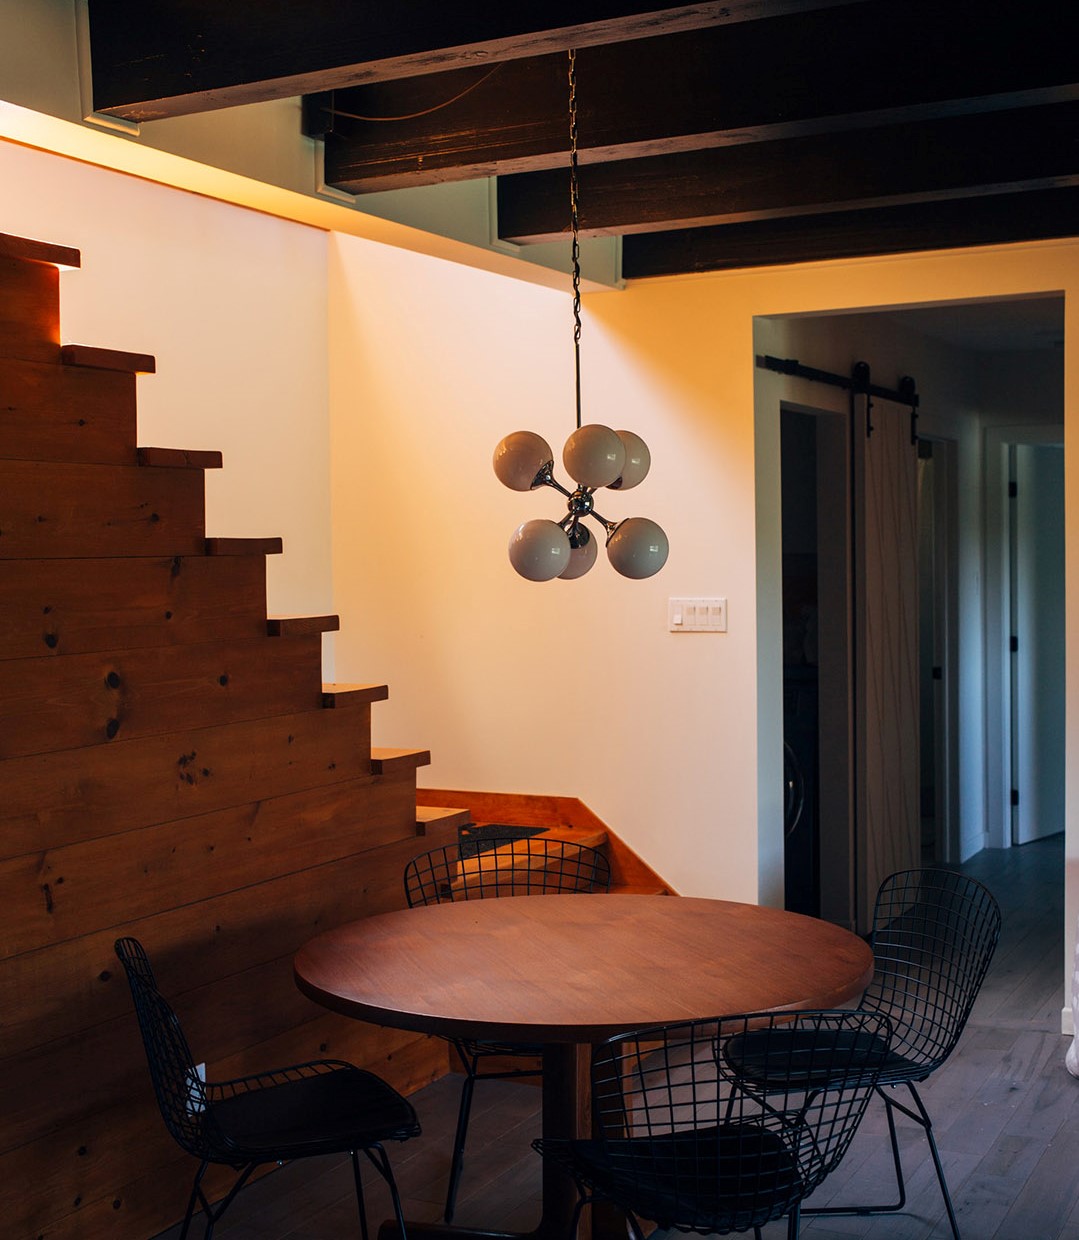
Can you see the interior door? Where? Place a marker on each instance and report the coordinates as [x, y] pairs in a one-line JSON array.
[[1037, 563], [888, 699]]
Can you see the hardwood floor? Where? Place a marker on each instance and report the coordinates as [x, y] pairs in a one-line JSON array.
[[1005, 1110]]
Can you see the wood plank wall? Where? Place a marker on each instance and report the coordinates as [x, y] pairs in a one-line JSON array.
[[168, 770]]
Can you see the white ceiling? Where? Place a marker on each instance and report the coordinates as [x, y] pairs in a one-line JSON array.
[[1029, 323]]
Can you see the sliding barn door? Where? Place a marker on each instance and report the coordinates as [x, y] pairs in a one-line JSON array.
[[887, 818]]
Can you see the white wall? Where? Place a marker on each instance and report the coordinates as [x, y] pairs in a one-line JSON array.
[[233, 306], [569, 687]]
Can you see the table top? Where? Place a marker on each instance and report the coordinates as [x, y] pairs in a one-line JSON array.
[[578, 968]]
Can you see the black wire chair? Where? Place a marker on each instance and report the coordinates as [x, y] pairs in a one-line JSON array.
[[505, 867], [325, 1107], [934, 934], [682, 1141]]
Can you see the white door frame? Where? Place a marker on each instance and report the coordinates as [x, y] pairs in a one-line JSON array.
[[998, 694]]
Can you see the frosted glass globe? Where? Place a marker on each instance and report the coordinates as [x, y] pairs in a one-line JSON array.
[[638, 461], [594, 455], [539, 550], [519, 458], [638, 548], [581, 558]]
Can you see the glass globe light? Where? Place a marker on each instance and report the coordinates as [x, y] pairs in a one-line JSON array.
[[539, 550], [638, 461], [638, 548], [581, 557], [520, 458], [594, 455]]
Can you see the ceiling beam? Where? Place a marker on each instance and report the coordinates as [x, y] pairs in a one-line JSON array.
[[953, 157], [993, 220], [173, 57], [809, 72]]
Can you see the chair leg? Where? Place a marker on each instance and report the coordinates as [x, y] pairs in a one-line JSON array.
[[794, 1221], [458, 1157], [927, 1124], [195, 1195], [381, 1163], [920, 1117], [359, 1194], [213, 1217]]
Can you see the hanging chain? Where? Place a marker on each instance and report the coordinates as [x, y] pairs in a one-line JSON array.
[[575, 251]]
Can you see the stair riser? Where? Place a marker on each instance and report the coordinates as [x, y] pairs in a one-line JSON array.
[[29, 311], [55, 510], [93, 699], [63, 413], [59, 607]]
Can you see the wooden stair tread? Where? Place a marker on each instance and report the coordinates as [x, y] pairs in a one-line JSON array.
[[244, 546], [386, 761], [301, 626], [179, 458], [592, 837], [26, 250], [339, 696], [107, 359], [440, 815]]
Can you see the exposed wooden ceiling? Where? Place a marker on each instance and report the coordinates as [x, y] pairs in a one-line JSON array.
[[711, 135]]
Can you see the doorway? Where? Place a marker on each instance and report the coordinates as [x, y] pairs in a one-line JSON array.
[[1036, 639]]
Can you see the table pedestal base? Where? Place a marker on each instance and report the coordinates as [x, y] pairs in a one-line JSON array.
[[566, 1113]]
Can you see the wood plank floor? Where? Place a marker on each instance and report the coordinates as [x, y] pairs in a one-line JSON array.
[[1006, 1115]]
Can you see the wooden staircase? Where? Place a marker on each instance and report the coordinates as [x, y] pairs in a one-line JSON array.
[[565, 818], [171, 766]]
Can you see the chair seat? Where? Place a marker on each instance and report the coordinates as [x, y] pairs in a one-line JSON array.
[[333, 1112], [780, 1055], [726, 1178]]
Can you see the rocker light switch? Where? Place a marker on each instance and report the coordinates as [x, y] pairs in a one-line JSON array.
[[697, 615]]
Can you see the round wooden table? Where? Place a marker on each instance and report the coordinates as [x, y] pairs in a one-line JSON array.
[[570, 970]]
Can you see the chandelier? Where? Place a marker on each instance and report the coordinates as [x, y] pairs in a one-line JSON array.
[[594, 456]]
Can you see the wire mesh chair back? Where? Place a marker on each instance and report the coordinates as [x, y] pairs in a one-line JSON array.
[[688, 1141], [506, 867], [181, 1095], [934, 934]]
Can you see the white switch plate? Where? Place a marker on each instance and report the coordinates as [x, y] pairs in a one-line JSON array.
[[697, 615]]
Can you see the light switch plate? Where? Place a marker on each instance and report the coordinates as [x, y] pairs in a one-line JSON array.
[[697, 615]]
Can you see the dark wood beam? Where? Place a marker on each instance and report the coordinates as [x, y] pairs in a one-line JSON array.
[[992, 220], [173, 57], [810, 72], [957, 156]]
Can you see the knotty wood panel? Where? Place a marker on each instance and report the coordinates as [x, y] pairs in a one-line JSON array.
[[51, 509], [63, 413], [76, 606], [69, 892], [29, 310], [889, 822], [78, 794], [54, 991], [221, 832], [48, 1176], [93, 699], [226, 1022]]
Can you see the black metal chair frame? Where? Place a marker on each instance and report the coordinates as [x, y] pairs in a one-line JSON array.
[[507, 866], [934, 935], [684, 1141], [229, 1122]]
